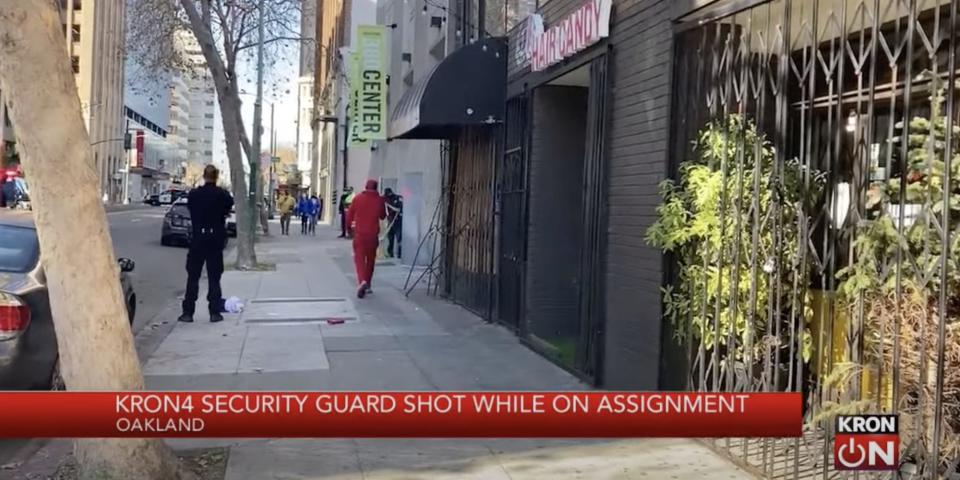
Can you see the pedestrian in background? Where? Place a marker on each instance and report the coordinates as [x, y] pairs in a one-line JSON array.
[[363, 219], [395, 220], [209, 208], [304, 209], [314, 214], [285, 206], [342, 207]]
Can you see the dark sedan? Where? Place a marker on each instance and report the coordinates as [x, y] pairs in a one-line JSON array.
[[28, 343], [177, 227]]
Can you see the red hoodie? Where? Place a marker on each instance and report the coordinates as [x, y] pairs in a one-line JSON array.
[[365, 213]]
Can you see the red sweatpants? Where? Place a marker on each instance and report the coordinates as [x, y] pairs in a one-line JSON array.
[[365, 256]]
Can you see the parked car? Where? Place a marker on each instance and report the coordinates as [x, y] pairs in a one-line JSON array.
[[152, 199], [28, 343], [170, 197], [176, 224], [177, 228]]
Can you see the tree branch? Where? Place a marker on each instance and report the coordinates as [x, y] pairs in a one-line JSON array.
[[273, 40]]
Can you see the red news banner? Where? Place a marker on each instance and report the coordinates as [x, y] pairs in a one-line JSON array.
[[398, 414]]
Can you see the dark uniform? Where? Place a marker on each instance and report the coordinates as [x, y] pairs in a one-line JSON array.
[[395, 219], [343, 206], [209, 207]]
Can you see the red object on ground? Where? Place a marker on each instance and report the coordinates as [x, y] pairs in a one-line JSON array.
[[398, 414]]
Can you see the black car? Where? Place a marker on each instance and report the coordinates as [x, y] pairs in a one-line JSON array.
[[152, 199], [28, 343], [176, 225], [177, 228]]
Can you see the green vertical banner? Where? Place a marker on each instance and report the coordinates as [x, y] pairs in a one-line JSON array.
[[353, 77], [371, 115]]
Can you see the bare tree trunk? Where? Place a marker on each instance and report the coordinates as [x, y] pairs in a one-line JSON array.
[[224, 80], [94, 338], [230, 112]]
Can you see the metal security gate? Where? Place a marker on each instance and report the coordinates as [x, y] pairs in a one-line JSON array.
[[594, 222], [468, 273], [512, 211], [813, 219]]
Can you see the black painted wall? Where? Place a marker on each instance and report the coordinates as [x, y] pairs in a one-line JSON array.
[[637, 151], [554, 231]]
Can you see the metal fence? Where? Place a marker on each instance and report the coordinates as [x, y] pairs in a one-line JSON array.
[[469, 239], [812, 219]]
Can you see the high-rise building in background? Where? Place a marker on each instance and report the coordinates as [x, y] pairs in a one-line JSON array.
[[94, 33], [178, 107], [155, 101], [201, 100]]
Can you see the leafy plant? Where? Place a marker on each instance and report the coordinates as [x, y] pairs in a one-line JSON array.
[[732, 222], [896, 278]]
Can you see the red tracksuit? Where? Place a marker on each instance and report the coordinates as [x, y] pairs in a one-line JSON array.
[[363, 217]]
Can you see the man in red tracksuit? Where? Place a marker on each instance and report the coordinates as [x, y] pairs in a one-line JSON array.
[[363, 222]]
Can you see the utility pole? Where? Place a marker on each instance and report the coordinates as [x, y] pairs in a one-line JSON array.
[[257, 127], [273, 154]]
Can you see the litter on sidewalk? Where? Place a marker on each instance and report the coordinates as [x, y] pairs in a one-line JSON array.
[[233, 305]]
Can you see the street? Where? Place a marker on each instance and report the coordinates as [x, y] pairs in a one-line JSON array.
[[159, 276], [158, 280]]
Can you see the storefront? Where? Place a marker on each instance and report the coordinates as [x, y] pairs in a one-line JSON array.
[[461, 101], [551, 185], [810, 145]]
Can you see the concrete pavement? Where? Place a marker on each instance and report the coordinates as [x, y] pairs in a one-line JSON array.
[[283, 341]]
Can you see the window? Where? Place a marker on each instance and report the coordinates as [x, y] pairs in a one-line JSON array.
[[208, 115], [76, 4], [210, 103], [207, 152], [75, 61], [20, 249], [76, 32]]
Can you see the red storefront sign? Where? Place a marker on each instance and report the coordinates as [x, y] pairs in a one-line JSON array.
[[577, 31], [139, 159]]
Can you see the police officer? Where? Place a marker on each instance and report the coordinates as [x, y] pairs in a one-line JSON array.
[[209, 207], [395, 220]]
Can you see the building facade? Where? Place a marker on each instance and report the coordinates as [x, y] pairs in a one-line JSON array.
[[94, 32], [154, 161], [332, 25], [810, 154], [306, 160]]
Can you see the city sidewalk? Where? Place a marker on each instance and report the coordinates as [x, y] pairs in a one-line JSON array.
[[284, 341]]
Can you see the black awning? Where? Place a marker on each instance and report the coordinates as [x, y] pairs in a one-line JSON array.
[[466, 88]]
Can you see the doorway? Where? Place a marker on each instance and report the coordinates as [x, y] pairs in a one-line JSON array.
[[566, 178]]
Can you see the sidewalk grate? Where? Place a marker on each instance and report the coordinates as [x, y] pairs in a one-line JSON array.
[[300, 321], [276, 311], [296, 300]]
